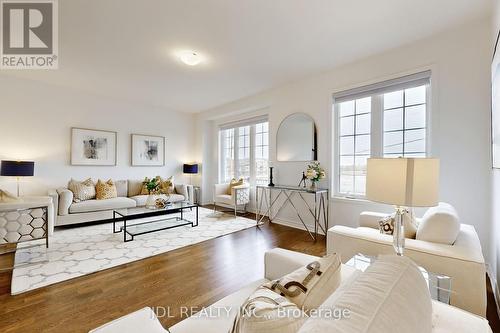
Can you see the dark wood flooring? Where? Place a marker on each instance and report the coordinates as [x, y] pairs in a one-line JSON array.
[[192, 276]]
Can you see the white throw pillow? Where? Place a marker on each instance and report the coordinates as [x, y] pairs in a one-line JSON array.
[[8, 197], [309, 286], [439, 224], [391, 296], [266, 311]]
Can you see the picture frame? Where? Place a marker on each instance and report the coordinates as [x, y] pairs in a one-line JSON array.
[[93, 147], [495, 107], [147, 150]]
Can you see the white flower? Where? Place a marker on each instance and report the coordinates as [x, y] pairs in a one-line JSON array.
[[311, 173]]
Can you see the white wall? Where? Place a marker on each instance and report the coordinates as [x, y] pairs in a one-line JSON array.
[[35, 122], [459, 60]]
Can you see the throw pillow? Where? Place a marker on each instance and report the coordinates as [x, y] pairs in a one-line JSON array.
[[439, 224], [84, 190], [8, 197], [386, 225], [391, 296], [234, 183], [167, 185], [105, 190], [266, 311], [309, 286]]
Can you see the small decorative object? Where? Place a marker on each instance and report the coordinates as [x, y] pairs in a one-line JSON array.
[[303, 181], [315, 173], [161, 203], [148, 150], [152, 186], [270, 176], [17, 169], [93, 147]]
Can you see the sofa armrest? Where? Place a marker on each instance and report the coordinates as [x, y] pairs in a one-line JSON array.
[[279, 262], [182, 189], [241, 194], [55, 201], [65, 201]]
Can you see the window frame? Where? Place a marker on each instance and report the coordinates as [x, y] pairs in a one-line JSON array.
[[376, 130]]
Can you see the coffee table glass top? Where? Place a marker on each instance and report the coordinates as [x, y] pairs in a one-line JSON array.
[[439, 284], [125, 212]]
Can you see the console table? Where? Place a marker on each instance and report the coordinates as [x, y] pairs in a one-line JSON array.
[[319, 212]]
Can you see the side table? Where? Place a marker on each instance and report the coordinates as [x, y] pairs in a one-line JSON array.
[[439, 284]]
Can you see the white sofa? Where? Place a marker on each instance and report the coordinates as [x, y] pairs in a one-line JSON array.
[[69, 212], [239, 197], [463, 261], [278, 262]]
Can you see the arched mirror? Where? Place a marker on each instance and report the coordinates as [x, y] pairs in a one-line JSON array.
[[296, 139]]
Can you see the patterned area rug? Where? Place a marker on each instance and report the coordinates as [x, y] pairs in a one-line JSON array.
[[78, 251]]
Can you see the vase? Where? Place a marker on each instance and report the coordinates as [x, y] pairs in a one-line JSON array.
[[313, 185], [151, 201]]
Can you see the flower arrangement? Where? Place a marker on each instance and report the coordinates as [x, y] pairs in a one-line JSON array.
[[152, 185], [315, 172]]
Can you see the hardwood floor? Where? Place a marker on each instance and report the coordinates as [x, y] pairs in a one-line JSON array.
[[196, 276]]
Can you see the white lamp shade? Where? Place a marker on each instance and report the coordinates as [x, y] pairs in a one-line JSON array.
[[406, 182]]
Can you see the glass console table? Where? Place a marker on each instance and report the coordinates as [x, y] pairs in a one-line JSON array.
[[439, 284]]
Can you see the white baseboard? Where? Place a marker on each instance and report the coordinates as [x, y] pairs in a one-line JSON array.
[[494, 287], [296, 225]]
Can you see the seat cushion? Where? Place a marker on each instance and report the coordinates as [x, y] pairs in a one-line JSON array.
[[141, 199], [439, 224], [391, 296], [225, 199], [100, 205], [447, 318]]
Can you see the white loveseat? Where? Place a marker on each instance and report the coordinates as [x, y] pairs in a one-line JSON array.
[[463, 261], [69, 212], [278, 262]]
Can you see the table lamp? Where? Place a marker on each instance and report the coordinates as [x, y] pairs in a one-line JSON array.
[[403, 182], [190, 169], [17, 169]]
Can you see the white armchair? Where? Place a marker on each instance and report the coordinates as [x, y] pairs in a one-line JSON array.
[[463, 261], [239, 197]]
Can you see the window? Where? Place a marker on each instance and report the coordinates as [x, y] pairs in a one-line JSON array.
[[388, 119], [244, 152]]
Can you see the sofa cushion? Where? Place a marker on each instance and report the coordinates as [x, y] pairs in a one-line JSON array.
[[391, 296], [310, 285], [121, 188], [267, 311], [439, 224], [134, 187], [82, 190], [141, 199], [387, 225], [99, 205], [105, 190]]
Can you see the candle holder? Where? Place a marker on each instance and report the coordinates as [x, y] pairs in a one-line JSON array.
[[271, 176]]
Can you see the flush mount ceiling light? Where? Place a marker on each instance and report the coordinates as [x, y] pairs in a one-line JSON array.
[[190, 58]]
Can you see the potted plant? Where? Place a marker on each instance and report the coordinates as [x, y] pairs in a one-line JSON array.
[[315, 173], [152, 185]]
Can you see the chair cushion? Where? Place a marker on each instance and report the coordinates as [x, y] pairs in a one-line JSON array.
[[225, 199], [141, 199], [309, 286], [439, 224], [99, 205], [391, 296]]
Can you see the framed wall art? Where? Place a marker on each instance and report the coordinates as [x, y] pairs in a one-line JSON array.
[[148, 150], [93, 147]]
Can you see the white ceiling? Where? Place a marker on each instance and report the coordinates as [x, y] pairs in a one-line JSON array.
[[124, 48]]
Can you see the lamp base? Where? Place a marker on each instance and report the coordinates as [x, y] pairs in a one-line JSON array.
[[399, 234]]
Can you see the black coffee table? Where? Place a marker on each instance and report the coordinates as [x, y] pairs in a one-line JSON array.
[[123, 218]]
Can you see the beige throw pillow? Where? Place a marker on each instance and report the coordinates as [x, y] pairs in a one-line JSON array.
[[84, 190], [105, 190], [309, 286], [8, 197], [234, 183], [266, 311], [167, 185]]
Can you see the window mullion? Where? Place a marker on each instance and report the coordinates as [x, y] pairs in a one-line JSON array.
[[377, 126], [236, 146], [253, 163]]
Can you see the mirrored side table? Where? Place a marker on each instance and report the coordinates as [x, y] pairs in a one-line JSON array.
[[439, 284]]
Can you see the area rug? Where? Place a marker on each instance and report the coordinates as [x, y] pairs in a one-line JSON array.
[[79, 251]]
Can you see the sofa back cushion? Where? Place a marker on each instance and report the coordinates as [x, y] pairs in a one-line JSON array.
[[439, 224], [391, 296], [134, 187], [121, 188]]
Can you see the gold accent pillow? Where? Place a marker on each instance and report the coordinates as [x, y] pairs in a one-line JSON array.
[[167, 185], [105, 190], [234, 183], [82, 191]]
